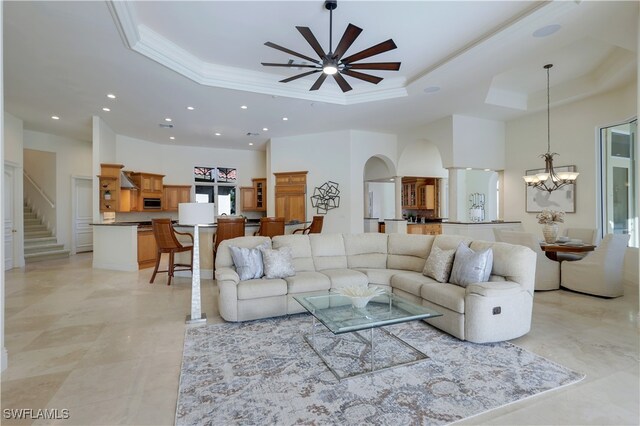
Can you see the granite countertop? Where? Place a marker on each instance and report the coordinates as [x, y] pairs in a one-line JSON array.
[[147, 224], [496, 222]]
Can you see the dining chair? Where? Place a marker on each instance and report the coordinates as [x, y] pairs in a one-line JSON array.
[[586, 235], [547, 270], [314, 228], [167, 242], [227, 227], [600, 272], [270, 227]]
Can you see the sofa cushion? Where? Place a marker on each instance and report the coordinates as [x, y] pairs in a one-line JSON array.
[[439, 263], [328, 251], [303, 282], [513, 262], [223, 254], [380, 276], [301, 248], [450, 296], [248, 261], [277, 263], [341, 278], [410, 282], [366, 250], [256, 289], [408, 251], [471, 266], [448, 242]]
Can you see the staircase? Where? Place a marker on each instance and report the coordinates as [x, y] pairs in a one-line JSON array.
[[39, 243]]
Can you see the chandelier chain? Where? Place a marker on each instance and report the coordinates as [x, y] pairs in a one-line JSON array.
[[548, 115]]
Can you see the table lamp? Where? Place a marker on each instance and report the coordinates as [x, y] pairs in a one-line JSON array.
[[195, 214]]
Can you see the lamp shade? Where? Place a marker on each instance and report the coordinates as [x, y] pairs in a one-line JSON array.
[[195, 213]]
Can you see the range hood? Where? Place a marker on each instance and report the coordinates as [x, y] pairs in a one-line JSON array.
[[125, 182]]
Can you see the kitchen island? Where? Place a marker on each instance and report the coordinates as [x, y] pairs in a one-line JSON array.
[[130, 246]]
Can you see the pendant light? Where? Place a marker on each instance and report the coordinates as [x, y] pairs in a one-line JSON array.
[[550, 180]]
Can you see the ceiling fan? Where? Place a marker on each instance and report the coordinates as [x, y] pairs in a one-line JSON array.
[[332, 62]]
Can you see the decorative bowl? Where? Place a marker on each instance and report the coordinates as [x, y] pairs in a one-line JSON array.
[[360, 296]]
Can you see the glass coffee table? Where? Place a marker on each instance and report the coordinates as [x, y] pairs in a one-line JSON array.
[[337, 317]]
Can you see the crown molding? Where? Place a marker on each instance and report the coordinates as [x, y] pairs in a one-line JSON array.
[[149, 43]]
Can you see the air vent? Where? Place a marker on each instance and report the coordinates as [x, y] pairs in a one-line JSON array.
[[166, 126], [253, 134]]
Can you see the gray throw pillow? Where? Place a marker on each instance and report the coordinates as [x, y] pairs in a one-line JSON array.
[[248, 262], [439, 264], [278, 263], [471, 266]]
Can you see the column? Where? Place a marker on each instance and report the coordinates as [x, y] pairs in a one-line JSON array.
[[398, 184]]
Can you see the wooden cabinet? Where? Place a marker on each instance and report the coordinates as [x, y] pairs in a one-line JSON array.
[[420, 193], [149, 186], [290, 195], [109, 187], [174, 195], [147, 249], [424, 228], [254, 198]]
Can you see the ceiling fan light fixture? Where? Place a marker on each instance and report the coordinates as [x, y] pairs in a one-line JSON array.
[[329, 67]]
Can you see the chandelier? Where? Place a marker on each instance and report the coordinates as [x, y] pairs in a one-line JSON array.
[[550, 180]]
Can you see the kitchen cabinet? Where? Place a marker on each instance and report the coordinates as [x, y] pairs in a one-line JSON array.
[[109, 187], [254, 198], [174, 195], [147, 248], [420, 193], [424, 228], [149, 187], [290, 195]]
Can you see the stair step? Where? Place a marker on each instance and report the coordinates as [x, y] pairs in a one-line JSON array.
[[36, 227], [49, 255], [29, 216], [32, 222], [28, 242], [37, 234], [43, 248]]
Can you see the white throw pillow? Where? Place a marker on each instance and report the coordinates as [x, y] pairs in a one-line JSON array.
[[471, 266], [439, 264], [278, 263], [248, 262]]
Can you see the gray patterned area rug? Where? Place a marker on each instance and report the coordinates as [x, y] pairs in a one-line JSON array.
[[264, 372]]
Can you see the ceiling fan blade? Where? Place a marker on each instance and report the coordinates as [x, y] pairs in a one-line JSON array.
[[291, 52], [269, 64], [366, 77], [311, 39], [295, 77], [374, 50], [387, 66], [319, 82], [342, 82], [350, 34]]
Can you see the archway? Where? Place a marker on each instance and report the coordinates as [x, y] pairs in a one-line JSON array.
[[379, 190]]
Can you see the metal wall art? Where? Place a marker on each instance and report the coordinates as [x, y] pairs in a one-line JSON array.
[[326, 197]]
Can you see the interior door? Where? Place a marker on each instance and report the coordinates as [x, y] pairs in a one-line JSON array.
[[9, 229], [82, 214]]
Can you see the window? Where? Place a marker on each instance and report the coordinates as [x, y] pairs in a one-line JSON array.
[[619, 180], [217, 186]]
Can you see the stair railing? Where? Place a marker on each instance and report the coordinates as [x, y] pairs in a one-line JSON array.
[[40, 190]]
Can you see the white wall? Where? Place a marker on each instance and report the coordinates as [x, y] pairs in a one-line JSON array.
[[73, 158], [13, 154], [478, 143], [438, 133], [383, 199], [421, 158], [574, 136], [3, 350]]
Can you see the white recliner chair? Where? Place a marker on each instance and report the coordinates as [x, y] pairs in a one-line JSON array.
[[600, 272], [547, 270], [586, 235]]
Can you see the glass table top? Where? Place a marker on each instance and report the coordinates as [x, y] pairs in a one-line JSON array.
[[338, 315]]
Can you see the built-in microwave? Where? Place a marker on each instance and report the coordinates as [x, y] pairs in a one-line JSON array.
[[151, 203]]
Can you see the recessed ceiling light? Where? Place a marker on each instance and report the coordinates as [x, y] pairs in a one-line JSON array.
[[546, 30], [250, 143], [111, 96], [168, 119], [284, 118], [487, 170], [392, 179], [218, 134], [190, 108], [106, 109], [431, 89], [244, 107], [469, 168], [264, 129], [172, 137], [55, 117]]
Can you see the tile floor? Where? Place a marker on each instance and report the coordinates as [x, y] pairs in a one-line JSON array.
[[107, 346]]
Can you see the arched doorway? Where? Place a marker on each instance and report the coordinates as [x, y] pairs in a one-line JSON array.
[[379, 191]]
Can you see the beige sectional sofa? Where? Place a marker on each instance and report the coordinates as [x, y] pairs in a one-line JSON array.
[[482, 312]]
